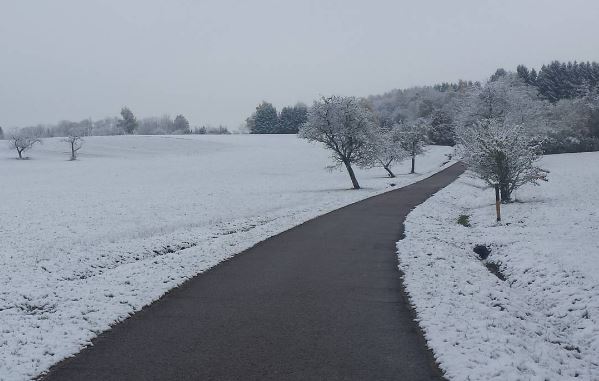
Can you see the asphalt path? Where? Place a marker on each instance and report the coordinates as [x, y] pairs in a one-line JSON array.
[[321, 301]]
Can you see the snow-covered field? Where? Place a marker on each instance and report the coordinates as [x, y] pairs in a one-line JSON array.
[[84, 244], [542, 322]]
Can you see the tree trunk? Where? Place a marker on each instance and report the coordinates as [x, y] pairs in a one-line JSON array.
[[73, 157], [506, 194], [497, 203], [351, 174], [391, 174], [413, 157], [19, 152]]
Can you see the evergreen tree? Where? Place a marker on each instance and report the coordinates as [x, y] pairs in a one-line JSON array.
[[532, 77], [181, 125], [498, 74], [128, 123], [286, 122], [265, 120], [292, 118]]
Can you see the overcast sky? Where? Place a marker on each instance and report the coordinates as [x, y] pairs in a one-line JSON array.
[[213, 61]]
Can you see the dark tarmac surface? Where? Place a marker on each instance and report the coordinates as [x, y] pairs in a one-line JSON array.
[[322, 301]]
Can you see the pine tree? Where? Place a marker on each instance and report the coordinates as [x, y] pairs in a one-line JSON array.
[[498, 74], [292, 118], [523, 73], [532, 77], [286, 122], [265, 120]]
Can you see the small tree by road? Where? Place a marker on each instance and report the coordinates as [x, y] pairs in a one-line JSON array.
[[502, 155], [345, 125], [413, 138], [387, 149]]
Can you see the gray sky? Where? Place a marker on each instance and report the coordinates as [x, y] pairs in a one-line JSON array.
[[213, 61]]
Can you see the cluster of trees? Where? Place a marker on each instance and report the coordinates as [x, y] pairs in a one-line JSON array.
[[494, 125], [266, 119], [24, 139], [561, 80], [502, 126], [210, 130], [564, 96], [348, 127], [126, 124]]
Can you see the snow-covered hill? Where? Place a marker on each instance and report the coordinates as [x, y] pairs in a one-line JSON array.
[[86, 243], [542, 322]]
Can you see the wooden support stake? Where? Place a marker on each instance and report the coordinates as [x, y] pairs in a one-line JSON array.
[[497, 203]]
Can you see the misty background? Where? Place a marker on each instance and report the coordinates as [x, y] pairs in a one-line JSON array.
[[215, 61]]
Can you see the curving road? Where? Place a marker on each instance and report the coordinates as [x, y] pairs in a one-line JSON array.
[[322, 301]]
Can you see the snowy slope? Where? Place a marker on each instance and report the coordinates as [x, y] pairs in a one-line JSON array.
[[542, 322], [84, 244]]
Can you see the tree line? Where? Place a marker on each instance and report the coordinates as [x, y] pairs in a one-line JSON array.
[[501, 127], [24, 139], [266, 119], [563, 94], [126, 124]]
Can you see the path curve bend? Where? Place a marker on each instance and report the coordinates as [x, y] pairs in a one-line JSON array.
[[321, 301]]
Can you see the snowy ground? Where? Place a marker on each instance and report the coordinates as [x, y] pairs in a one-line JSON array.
[[84, 244], [542, 322]]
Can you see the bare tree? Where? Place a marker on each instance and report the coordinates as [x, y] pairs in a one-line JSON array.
[[22, 144], [75, 142], [345, 125]]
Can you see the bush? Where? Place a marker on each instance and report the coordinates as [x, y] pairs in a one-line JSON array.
[[568, 142], [464, 220]]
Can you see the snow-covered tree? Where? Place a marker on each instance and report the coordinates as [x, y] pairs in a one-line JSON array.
[[128, 123], [386, 149], [505, 99], [345, 125], [413, 137], [75, 143], [22, 144], [501, 154]]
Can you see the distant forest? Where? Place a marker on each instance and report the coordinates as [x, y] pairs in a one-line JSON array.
[[126, 124], [564, 97]]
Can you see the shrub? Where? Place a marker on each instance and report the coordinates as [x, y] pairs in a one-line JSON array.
[[464, 220]]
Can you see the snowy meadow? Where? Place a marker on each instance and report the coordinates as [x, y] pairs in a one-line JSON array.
[[84, 244], [541, 322]]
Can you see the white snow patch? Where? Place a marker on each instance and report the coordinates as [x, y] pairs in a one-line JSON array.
[[85, 244], [542, 322]]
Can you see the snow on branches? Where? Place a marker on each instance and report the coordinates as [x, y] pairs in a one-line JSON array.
[[75, 143], [386, 149], [501, 154], [22, 144], [346, 126], [413, 137]]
